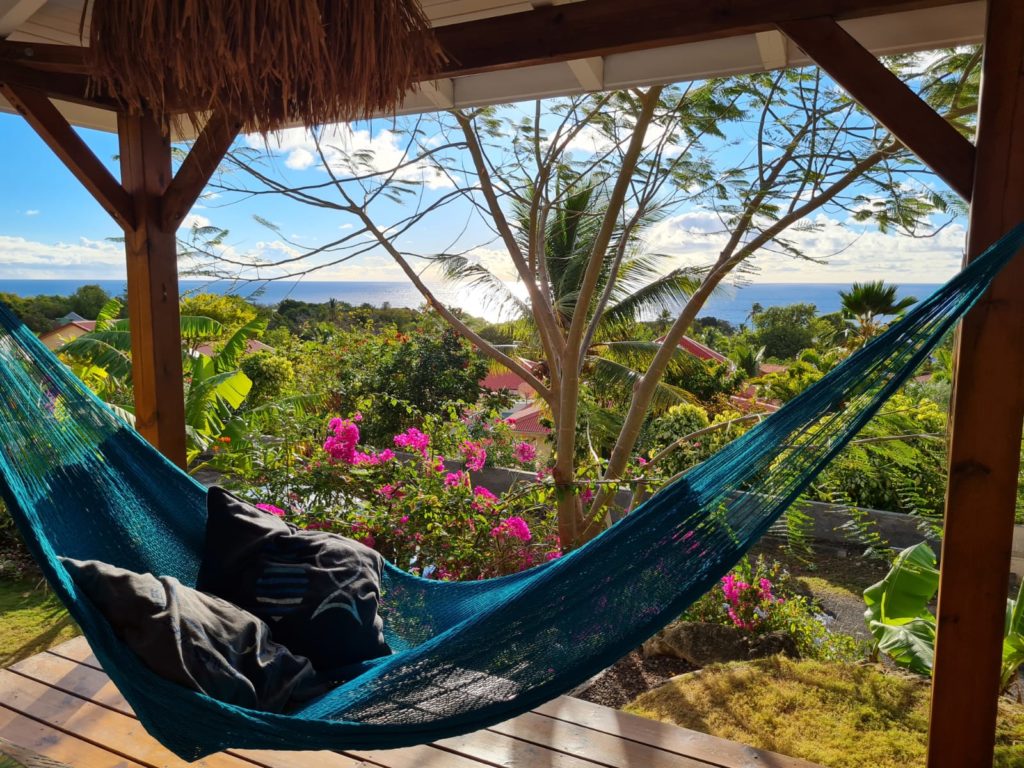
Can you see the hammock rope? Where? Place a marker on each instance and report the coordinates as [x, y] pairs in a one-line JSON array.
[[80, 483]]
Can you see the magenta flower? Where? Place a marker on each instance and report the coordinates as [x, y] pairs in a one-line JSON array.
[[474, 454], [641, 461], [513, 527], [525, 452], [389, 491], [341, 446], [271, 509], [453, 479], [586, 495], [385, 456], [414, 439]]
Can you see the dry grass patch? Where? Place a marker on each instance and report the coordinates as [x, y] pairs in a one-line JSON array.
[[836, 715]]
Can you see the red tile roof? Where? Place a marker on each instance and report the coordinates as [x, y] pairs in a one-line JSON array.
[[503, 379], [527, 420], [695, 348]]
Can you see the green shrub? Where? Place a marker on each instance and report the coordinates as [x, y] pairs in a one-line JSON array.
[[760, 596], [271, 376]]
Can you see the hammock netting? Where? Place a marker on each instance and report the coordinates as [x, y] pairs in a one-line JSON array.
[[80, 483]]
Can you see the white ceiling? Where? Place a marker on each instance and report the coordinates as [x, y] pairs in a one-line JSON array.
[[57, 21]]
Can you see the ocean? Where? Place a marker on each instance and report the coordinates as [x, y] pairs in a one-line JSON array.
[[731, 303]]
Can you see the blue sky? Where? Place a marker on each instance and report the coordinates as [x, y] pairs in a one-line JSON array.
[[51, 228]]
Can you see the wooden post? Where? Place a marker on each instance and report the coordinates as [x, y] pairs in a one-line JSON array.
[[151, 252], [988, 407]]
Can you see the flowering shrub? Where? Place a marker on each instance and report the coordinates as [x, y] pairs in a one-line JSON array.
[[760, 597], [415, 501]]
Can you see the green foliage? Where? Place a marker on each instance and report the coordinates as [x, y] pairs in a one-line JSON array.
[[787, 384], [896, 463], [40, 313], [271, 376], [897, 609], [785, 331], [867, 302], [678, 422], [903, 626], [232, 312]]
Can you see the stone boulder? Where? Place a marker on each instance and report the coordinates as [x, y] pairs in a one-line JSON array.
[[703, 644]]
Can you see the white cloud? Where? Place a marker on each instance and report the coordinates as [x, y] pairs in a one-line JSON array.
[[194, 220], [32, 212], [340, 143], [22, 259], [850, 251]]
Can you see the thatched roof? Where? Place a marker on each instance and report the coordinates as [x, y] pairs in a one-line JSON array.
[[267, 63]]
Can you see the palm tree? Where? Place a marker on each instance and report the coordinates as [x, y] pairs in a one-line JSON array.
[[867, 302], [639, 287]]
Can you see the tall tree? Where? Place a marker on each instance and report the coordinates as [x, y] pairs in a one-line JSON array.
[[647, 153]]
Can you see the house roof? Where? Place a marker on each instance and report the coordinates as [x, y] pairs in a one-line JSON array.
[[527, 420], [538, 65], [85, 326], [695, 348]]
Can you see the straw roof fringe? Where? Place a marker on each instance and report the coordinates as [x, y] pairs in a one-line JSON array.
[[264, 62]]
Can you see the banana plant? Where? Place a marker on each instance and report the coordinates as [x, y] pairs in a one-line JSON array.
[[898, 617], [215, 387]]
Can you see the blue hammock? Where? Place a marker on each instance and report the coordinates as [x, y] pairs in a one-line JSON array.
[[81, 484]]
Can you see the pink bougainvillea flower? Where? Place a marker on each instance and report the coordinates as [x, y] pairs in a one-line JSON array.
[[525, 452], [453, 479], [553, 555], [641, 461], [586, 495], [386, 455], [341, 446], [271, 509], [389, 491], [514, 527], [414, 439], [474, 454]]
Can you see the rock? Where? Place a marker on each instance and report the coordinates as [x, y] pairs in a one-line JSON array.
[[704, 644]]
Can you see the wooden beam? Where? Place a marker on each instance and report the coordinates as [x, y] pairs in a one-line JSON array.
[[51, 126], [924, 132], [602, 27], [549, 33], [195, 172], [14, 13], [153, 314], [57, 85], [985, 431]]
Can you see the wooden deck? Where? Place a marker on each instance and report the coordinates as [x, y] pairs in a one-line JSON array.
[[61, 705]]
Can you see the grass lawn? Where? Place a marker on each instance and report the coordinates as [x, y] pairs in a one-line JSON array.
[[836, 715], [31, 620]]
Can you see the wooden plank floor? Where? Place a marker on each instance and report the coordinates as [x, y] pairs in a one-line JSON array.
[[61, 705]]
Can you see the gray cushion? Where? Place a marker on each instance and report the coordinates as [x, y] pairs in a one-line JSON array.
[[318, 591], [199, 641]]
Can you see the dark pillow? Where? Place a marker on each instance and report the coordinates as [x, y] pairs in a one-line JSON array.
[[318, 591], [196, 640]]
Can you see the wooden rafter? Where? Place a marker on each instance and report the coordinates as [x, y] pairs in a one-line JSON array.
[[550, 33], [51, 126], [601, 27], [924, 132], [196, 170], [57, 85], [985, 426]]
